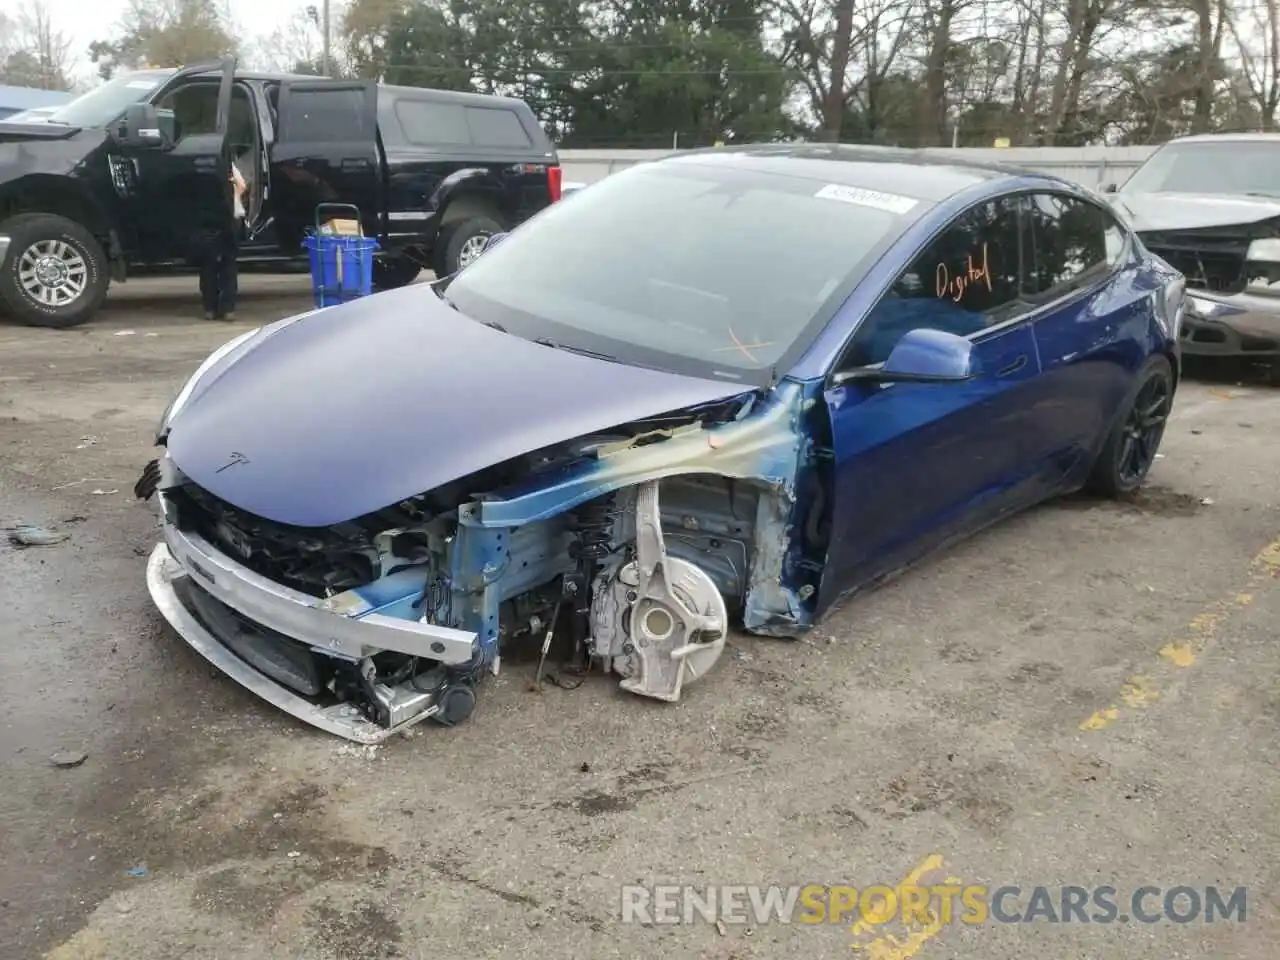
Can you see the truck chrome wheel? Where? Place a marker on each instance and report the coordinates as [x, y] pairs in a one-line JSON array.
[[56, 272], [52, 273], [472, 249]]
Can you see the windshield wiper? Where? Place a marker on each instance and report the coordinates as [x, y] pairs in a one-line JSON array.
[[1261, 193], [548, 342]]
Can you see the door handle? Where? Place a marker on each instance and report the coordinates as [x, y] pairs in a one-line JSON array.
[[1013, 367], [205, 163], [355, 163]]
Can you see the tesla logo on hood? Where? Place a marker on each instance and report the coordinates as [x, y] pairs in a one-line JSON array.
[[235, 461]]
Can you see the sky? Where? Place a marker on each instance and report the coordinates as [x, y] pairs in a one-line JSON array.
[[83, 21]]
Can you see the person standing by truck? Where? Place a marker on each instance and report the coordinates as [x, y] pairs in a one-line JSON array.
[[148, 189], [218, 273]]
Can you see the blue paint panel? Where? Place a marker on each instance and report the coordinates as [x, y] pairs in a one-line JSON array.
[[365, 404], [917, 464], [913, 458], [1090, 349]]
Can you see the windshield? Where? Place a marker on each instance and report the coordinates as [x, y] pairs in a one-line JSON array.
[[1229, 167], [103, 104], [706, 270]]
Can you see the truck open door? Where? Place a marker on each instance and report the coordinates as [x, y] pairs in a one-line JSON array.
[[183, 173], [326, 150]]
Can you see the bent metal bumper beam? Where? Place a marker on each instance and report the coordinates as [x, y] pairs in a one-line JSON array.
[[185, 559]]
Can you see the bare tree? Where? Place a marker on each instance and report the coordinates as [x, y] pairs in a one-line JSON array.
[[842, 50], [878, 48], [1259, 54], [841, 45], [35, 52], [938, 24], [1211, 19], [295, 47], [1029, 78]]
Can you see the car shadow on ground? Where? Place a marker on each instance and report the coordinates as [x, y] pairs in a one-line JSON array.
[[1236, 371]]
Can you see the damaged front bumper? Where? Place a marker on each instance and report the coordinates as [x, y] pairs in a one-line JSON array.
[[432, 590], [271, 640], [1239, 325]]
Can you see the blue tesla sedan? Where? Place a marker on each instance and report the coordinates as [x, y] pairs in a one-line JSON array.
[[731, 386]]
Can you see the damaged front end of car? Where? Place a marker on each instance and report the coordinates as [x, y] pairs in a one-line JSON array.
[[638, 544], [1229, 251]]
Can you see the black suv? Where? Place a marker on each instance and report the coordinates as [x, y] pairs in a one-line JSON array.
[[125, 178]]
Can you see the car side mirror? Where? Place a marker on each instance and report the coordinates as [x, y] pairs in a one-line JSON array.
[[921, 356], [1110, 188], [141, 126]]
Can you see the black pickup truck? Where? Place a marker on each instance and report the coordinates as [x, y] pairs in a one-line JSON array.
[[126, 178]]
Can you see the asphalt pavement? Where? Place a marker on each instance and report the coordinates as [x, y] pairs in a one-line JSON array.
[[1087, 695]]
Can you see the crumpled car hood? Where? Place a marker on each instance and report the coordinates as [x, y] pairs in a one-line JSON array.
[[360, 406], [1161, 212]]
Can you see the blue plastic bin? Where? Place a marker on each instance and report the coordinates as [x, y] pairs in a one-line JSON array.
[[341, 267]]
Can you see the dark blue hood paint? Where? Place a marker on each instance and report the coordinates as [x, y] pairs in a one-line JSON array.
[[363, 405]]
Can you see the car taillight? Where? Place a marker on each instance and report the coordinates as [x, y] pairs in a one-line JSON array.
[[555, 176]]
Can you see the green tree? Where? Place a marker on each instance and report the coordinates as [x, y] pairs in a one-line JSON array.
[[613, 72], [429, 45], [165, 33], [693, 72]]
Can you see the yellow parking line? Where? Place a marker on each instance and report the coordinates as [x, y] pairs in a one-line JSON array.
[[911, 935], [1183, 651]]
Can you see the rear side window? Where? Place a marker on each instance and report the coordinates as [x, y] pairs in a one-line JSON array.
[[964, 281], [496, 128], [1074, 242], [427, 123], [452, 124], [327, 116]]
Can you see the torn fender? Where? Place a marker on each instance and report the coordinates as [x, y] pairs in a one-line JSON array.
[[769, 444]]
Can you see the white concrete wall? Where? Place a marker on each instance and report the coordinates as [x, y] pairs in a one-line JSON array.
[[1092, 166]]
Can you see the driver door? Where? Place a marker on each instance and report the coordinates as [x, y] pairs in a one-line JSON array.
[[185, 182], [919, 463]]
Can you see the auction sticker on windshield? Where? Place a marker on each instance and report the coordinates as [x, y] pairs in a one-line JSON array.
[[867, 198]]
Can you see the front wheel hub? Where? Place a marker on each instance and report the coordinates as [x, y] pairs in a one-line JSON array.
[[52, 273]]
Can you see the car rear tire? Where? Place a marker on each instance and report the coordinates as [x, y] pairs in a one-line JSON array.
[[56, 272], [394, 272], [462, 241], [1130, 449]]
